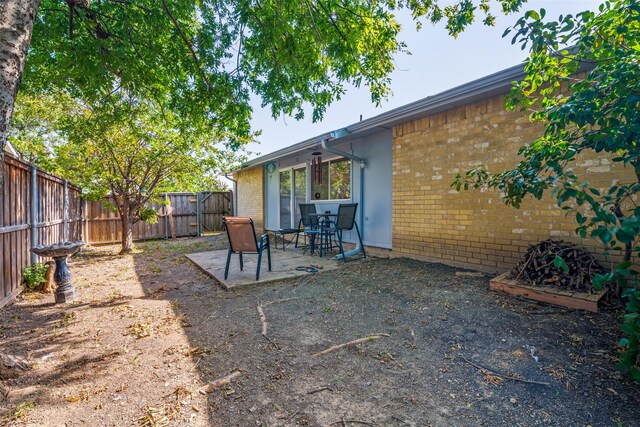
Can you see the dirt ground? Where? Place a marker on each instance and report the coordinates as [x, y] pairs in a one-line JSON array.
[[150, 335]]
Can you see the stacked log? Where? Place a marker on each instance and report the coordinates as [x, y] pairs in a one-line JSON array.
[[540, 267]]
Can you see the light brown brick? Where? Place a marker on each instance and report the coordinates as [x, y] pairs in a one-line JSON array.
[[473, 227]]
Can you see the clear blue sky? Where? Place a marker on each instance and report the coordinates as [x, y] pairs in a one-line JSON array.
[[438, 62]]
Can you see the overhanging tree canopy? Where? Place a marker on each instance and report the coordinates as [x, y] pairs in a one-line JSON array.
[[202, 59], [128, 149]]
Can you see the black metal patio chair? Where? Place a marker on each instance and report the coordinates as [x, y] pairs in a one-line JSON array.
[[308, 224], [242, 239], [346, 221]]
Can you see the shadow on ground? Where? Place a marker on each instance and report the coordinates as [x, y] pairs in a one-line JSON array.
[[450, 352]]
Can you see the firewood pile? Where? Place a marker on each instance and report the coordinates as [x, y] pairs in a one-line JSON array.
[[540, 266]]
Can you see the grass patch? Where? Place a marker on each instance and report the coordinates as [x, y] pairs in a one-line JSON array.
[[23, 409]]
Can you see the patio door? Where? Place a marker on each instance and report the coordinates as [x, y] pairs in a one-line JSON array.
[[299, 192], [285, 198], [293, 191]]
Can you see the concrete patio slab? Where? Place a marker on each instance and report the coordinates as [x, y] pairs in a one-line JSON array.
[[283, 265]]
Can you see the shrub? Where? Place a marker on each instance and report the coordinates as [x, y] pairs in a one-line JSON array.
[[33, 275]]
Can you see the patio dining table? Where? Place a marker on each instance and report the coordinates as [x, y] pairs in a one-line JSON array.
[[324, 220]]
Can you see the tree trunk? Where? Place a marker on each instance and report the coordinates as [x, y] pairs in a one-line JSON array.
[[127, 233], [16, 26]]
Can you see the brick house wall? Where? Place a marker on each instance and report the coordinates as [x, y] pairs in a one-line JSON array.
[[433, 222], [251, 194]]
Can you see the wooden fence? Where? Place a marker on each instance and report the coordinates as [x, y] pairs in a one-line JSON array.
[[181, 214], [37, 208]]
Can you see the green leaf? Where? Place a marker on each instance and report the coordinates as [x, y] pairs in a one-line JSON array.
[[558, 262], [532, 14]]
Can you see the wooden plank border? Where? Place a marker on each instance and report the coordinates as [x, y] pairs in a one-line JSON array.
[[8, 298], [577, 300]]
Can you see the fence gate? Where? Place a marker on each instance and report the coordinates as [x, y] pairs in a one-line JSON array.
[[212, 206], [180, 214]]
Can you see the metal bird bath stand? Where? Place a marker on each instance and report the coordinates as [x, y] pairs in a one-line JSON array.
[[65, 292]]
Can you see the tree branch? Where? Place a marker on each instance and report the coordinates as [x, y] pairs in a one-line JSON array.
[[188, 43]]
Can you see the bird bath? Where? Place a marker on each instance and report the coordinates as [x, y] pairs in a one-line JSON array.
[[65, 292]]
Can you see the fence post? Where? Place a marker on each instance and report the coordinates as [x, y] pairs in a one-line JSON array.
[[166, 217], [34, 211], [86, 222], [198, 214], [80, 220], [65, 213]]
